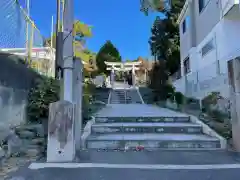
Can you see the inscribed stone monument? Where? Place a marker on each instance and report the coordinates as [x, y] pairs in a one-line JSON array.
[[61, 142]]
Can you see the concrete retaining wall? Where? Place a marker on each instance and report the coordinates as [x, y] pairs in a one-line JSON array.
[[16, 79]]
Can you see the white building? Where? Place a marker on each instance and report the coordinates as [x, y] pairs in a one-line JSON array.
[[43, 58], [209, 38]]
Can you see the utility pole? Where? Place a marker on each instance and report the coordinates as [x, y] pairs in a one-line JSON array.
[[68, 52]]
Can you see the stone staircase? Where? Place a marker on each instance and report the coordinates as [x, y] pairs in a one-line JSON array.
[[147, 95], [127, 126], [101, 94], [125, 96], [133, 97], [118, 96]]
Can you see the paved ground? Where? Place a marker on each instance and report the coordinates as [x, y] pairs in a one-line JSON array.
[[129, 174], [162, 165]]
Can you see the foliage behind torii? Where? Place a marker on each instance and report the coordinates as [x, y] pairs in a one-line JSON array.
[[80, 30], [108, 52]]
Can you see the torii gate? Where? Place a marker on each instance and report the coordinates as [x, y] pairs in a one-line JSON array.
[[122, 66]]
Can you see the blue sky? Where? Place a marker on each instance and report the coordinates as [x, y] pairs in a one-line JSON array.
[[117, 20]]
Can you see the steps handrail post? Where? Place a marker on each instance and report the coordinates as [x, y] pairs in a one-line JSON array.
[[125, 95]]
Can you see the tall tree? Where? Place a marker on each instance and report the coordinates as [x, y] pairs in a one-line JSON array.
[[164, 44], [108, 52], [159, 77], [164, 41]]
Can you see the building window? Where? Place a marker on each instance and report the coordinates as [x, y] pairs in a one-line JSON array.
[[186, 64], [207, 47], [202, 4], [185, 24]]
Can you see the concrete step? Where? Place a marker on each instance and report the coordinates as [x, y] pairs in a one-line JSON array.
[[136, 102], [116, 102], [117, 98], [141, 119], [152, 141], [113, 128]]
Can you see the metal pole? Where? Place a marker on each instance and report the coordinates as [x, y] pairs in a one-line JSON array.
[[52, 34]]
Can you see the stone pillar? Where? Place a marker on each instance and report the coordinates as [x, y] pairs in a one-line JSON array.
[[234, 90], [61, 140], [145, 74], [112, 78], [133, 76], [77, 100]]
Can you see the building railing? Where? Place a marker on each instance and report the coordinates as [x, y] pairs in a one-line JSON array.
[[208, 79]]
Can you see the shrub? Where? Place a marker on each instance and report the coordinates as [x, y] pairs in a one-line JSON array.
[[211, 99], [170, 90], [216, 115], [88, 89], [46, 91], [179, 98]]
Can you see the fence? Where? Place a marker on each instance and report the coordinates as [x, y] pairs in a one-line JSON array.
[[19, 35], [17, 30], [199, 84]]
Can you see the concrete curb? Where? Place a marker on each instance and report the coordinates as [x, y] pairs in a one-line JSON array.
[[206, 129], [209, 131], [87, 132]]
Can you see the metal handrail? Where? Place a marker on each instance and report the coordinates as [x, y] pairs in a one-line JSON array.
[[139, 94], [109, 97], [125, 95]]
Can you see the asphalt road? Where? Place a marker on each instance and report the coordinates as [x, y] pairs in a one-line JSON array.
[[144, 158], [126, 174]]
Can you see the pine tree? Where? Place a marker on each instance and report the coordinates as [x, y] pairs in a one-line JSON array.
[[108, 52]]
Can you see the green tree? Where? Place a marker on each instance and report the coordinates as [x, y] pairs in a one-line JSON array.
[[108, 52], [164, 42], [159, 79]]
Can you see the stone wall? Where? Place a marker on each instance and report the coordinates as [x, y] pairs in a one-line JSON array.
[[15, 74], [16, 79], [12, 106]]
